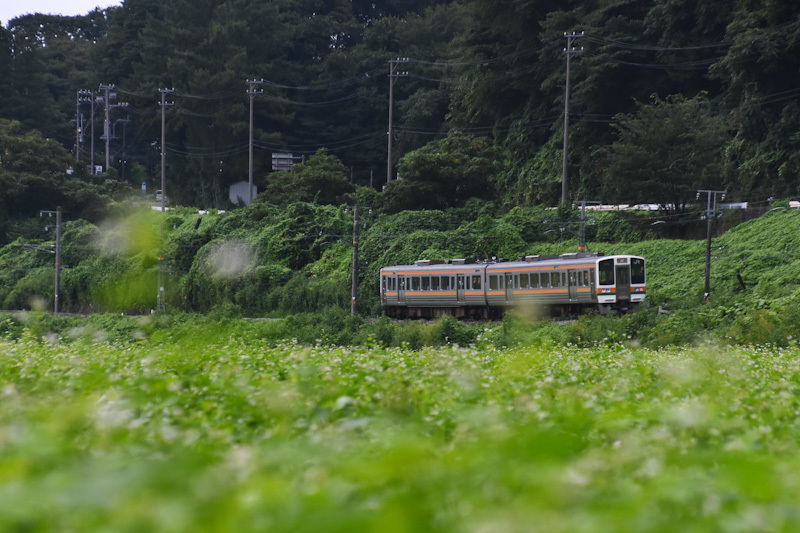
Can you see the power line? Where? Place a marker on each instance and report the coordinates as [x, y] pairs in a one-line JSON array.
[[631, 46]]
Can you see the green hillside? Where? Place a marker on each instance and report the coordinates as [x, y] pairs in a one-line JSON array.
[[269, 261]]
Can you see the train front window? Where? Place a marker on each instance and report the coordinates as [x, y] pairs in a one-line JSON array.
[[606, 272], [637, 271]]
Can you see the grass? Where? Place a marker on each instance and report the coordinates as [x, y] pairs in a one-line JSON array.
[[231, 433]]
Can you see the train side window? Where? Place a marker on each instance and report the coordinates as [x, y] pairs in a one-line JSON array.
[[544, 280], [563, 279], [445, 283], [523, 281], [501, 280], [468, 281], [415, 283], [393, 281], [426, 283], [435, 283], [476, 282], [493, 282], [554, 279]]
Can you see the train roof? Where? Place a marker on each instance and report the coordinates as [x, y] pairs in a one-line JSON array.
[[473, 265]]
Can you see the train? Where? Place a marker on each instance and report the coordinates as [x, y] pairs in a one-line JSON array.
[[485, 289]]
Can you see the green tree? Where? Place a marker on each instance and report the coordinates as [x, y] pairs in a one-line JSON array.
[[320, 180], [665, 152], [761, 72], [33, 176], [445, 173]]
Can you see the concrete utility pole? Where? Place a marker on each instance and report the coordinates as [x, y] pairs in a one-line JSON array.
[[107, 123], [569, 50], [107, 127], [164, 105], [91, 157], [393, 75], [161, 296], [711, 208], [56, 303], [354, 285], [582, 237], [252, 94], [57, 212], [84, 96]]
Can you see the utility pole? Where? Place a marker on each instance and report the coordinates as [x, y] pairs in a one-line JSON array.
[[57, 212], [107, 126], [58, 261], [354, 285], [252, 94], [582, 236], [107, 123], [393, 75], [84, 96], [91, 157], [161, 297], [164, 105], [711, 208], [569, 50], [78, 128]]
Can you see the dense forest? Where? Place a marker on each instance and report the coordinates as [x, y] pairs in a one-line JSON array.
[[666, 97]]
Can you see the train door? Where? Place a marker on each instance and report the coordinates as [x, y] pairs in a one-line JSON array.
[[401, 289], [572, 283], [623, 275], [460, 287]]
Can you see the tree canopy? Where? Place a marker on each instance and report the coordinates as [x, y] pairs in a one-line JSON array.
[[664, 152], [486, 68]]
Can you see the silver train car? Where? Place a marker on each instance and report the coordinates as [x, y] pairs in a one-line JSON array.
[[569, 283]]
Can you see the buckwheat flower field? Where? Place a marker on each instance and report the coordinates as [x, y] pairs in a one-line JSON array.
[[242, 436]]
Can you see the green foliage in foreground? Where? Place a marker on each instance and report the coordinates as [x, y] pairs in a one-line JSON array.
[[235, 435]]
